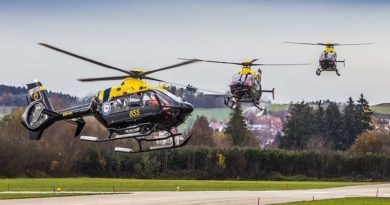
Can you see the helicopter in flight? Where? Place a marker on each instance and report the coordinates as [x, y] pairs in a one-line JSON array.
[[132, 110], [245, 86], [328, 58]]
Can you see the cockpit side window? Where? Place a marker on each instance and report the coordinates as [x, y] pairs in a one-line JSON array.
[[322, 56], [236, 78], [149, 99], [134, 100]]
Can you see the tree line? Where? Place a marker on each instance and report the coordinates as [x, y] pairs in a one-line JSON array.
[[330, 127], [16, 97]]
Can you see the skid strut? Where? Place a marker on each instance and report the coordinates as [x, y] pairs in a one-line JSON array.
[[124, 133], [230, 102]]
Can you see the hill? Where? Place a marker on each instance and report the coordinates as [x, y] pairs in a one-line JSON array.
[[383, 108], [12, 96]]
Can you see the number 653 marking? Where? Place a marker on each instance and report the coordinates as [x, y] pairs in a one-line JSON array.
[[134, 113]]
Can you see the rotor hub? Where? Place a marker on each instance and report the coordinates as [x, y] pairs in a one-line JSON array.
[[136, 70]]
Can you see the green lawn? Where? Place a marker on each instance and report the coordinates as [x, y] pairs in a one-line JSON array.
[[23, 196], [277, 107], [105, 184], [345, 201], [218, 114], [385, 109]]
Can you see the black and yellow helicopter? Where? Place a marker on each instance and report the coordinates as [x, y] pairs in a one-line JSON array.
[[328, 58], [133, 110], [245, 86]]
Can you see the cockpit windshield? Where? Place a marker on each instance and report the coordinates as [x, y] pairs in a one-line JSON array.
[[168, 99], [327, 56], [243, 79]]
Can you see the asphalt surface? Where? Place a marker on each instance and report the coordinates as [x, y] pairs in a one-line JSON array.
[[210, 197]]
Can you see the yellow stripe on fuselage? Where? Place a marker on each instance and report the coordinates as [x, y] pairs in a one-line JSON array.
[[128, 86]]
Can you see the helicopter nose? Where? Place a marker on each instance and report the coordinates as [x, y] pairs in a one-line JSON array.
[[186, 108]]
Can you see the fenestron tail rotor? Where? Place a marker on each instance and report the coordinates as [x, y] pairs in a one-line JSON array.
[[135, 73]]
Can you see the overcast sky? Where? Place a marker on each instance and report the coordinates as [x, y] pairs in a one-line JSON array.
[[151, 34]]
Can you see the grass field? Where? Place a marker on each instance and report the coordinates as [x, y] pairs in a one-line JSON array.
[[218, 114], [23, 196], [277, 107], [383, 109], [345, 201], [107, 185]]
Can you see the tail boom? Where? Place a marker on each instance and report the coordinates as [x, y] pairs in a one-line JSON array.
[[40, 114]]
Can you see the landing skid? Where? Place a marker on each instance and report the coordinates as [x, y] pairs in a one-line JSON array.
[[141, 147], [319, 70], [141, 138], [257, 105], [231, 103]]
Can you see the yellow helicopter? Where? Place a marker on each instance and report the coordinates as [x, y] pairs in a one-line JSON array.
[[133, 110], [328, 58], [245, 86]]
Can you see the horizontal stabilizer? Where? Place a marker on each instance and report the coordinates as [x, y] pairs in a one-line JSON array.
[[343, 61], [270, 91]]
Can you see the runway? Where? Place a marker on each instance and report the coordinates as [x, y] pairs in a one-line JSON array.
[[210, 197]]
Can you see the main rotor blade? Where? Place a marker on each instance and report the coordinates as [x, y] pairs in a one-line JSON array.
[[272, 64], [154, 79], [250, 63], [351, 44], [181, 85], [321, 44], [211, 91], [168, 67], [103, 78], [211, 61], [331, 44], [84, 58]]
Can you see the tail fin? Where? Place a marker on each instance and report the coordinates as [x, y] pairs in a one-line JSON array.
[[36, 92], [39, 113]]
